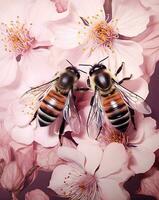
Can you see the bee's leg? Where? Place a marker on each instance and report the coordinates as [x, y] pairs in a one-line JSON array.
[[132, 113], [125, 79], [119, 69], [34, 117], [62, 128]]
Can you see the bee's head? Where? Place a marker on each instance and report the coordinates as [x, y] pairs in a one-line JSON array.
[[73, 70], [97, 68], [101, 77]]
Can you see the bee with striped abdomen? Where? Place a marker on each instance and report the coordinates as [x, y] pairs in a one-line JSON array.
[[55, 98], [112, 99]]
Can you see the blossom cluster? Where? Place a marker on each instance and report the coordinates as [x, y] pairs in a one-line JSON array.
[[41, 38]]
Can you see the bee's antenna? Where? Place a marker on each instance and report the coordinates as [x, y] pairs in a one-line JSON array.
[[103, 60], [70, 63], [85, 65], [82, 71]]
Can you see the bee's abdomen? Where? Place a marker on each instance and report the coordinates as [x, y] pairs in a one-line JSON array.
[[117, 111], [50, 108]]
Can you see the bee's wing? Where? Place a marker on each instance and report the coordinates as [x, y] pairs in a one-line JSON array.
[[29, 102], [70, 113], [133, 100], [96, 117]]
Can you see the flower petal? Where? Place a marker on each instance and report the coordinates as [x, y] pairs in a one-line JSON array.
[[23, 135], [114, 158], [36, 194], [111, 190], [142, 159], [59, 176], [130, 53], [132, 17], [88, 149], [43, 137], [71, 155], [151, 143], [8, 70], [36, 62], [87, 8]]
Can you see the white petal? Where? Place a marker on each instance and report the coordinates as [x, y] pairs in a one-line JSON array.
[[88, 8], [46, 139], [142, 159], [114, 158], [8, 70], [23, 135], [132, 17], [93, 154], [130, 53], [71, 155], [111, 190]]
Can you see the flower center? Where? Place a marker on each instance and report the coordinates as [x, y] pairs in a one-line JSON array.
[[79, 186], [16, 37], [103, 34]]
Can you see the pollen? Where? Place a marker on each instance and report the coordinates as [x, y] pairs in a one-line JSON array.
[[16, 37], [103, 34]]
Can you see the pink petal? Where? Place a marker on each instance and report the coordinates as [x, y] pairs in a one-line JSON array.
[[88, 149], [23, 135], [47, 158], [151, 3], [150, 184], [36, 194], [130, 23], [68, 40], [11, 177], [8, 70], [142, 159], [36, 62], [71, 155], [48, 8], [87, 8], [43, 137], [59, 175], [130, 53], [151, 143], [61, 5], [5, 154], [24, 160], [114, 158], [111, 190]]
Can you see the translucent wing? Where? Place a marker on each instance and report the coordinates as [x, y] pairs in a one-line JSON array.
[[29, 102], [96, 119], [133, 100], [70, 113]]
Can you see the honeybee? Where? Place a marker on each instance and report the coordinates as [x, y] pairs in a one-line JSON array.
[[112, 99], [53, 99]]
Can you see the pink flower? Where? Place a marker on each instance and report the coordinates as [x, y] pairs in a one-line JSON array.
[[61, 5], [100, 176], [150, 184], [82, 29], [142, 144], [153, 4], [23, 36], [12, 177], [36, 194], [47, 158], [149, 41]]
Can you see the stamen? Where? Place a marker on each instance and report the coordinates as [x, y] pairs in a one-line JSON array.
[[16, 37], [79, 186]]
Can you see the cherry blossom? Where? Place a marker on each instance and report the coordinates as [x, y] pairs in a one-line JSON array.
[[23, 38], [36, 194], [88, 27], [87, 177]]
